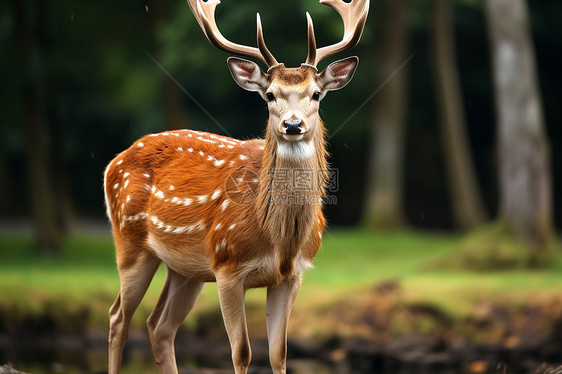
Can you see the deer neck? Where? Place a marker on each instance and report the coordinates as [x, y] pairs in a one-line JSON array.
[[292, 186]]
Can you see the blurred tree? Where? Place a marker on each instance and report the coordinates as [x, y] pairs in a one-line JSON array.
[[384, 208], [524, 159], [176, 117], [466, 200], [5, 182], [49, 84], [40, 186]]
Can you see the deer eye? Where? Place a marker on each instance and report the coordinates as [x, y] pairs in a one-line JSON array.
[[269, 96], [316, 96]]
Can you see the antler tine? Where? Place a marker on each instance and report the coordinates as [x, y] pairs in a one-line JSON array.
[[204, 13], [311, 59], [354, 15], [268, 57]]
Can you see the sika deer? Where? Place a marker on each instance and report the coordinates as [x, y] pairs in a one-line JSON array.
[[216, 209]]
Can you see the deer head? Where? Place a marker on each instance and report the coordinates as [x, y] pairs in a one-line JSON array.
[[292, 94]]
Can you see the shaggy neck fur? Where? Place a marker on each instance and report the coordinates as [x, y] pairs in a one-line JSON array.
[[292, 186]]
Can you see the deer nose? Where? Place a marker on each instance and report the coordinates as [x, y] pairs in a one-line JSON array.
[[292, 126]]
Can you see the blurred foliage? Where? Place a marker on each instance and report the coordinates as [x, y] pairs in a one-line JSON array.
[[496, 247], [105, 90], [72, 293]]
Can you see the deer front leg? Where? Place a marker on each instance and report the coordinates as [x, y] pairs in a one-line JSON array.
[[231, 298], [280, 301]]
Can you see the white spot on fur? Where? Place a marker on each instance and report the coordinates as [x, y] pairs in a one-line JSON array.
[[219, 162], [201, 153], [215, 194], [224, 205], [190, 149], [119, 162], [180, 149], [126, 175], [242, 157], [223, 139], [230, 146], [171, 188], [206, 140], [180, 230], [141, 145], [146, 175], [108, 209], [126, 184], [232, 226], [136, 217], [115, 186], [202, 199], [218, 226], [200, 226]]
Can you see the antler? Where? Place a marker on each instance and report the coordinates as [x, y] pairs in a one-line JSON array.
[[354, 15], [204, 13]]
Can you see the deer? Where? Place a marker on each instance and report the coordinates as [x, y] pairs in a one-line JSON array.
[[242, 213]]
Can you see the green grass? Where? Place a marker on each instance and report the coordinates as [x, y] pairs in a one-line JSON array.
[[351, 267]]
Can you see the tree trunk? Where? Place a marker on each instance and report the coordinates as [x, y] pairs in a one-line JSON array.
[[465, 197], [384, 208], [174, 108], [5, 185], [42, 198], [173, 105], [524, 157], [59, 179]]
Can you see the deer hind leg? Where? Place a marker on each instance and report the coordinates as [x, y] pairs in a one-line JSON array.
[[279, 304], [135, 280], [231, 298], [175, 302]]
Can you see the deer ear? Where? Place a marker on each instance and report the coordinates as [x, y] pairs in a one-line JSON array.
[[247, 74], [338, 74]]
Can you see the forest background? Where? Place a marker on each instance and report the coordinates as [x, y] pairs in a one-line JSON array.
[[445, 143], [414, 138]]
